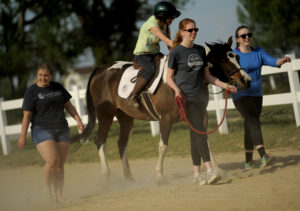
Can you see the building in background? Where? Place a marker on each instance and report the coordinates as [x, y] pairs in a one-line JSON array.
[[77, 76]]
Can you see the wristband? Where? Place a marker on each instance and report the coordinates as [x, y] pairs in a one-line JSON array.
[[226, 86]]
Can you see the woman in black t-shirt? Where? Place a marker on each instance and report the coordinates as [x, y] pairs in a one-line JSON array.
[[43, 106], [187, 70]]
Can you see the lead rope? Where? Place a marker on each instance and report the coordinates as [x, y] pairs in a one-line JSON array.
[[180, 101]]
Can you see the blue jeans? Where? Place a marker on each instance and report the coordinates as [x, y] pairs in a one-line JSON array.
[[146, 61], [40, 134]]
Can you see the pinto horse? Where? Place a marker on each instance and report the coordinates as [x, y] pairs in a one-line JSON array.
[[104, 103]]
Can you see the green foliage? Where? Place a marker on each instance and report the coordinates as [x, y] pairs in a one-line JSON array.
[[275, 24], [57, 32], [278, 126]]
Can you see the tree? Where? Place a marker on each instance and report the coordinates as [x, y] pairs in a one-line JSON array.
[[34, 31], [274, 23]]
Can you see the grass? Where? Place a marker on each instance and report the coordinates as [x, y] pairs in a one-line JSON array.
[[278, 126]]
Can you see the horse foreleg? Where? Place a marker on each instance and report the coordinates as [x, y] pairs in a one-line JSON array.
[[165, 129], [126, 124]]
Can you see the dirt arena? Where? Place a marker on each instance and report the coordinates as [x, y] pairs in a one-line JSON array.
[[276, 187]]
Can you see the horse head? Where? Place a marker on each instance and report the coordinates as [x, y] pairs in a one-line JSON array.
[[221, 57]]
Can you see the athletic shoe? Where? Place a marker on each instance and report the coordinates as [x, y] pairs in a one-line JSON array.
[[266, 159], [251, 165], [199, 179], [212, 177]]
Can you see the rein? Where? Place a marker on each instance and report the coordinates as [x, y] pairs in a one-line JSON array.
[[180, 101]]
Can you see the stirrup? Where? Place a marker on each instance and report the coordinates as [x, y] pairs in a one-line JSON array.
[[133, 101]]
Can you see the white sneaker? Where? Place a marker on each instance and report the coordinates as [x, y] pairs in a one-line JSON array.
[[212, 176], [199, 179]]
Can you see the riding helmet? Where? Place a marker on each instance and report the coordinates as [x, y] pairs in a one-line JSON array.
[[164, 10]]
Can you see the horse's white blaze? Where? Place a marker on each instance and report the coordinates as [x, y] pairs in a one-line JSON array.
[[103, 160], [162, 151], [234, 61], [119, 64], [245, 75]]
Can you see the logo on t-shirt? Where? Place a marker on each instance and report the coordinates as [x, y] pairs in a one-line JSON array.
[[195, 62], [48, 95]]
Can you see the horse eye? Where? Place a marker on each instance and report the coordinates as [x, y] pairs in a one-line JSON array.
[[231, 55]]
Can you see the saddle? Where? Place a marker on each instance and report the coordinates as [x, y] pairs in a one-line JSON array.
[[129, 78], [130, 75]]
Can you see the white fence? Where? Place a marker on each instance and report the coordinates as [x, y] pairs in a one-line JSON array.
[[292, 97]]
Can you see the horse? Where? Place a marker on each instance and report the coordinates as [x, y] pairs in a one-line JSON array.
[[104, 103]]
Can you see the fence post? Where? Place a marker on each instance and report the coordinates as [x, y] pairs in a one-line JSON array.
[[4, 138], [77, 101], [223, 129], [154, 127], [294, 87]]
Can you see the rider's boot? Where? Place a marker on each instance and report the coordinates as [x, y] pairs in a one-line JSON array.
[[140, 84]]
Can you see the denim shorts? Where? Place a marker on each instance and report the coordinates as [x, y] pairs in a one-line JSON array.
[[40, 134]]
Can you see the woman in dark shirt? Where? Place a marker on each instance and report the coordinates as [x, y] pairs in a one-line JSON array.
[[187, 71], [43, 106]]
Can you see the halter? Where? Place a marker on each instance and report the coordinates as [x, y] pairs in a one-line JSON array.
[[237, 70]]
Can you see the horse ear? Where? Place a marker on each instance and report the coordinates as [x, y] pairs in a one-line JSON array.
[[229, 41], [208, 45]]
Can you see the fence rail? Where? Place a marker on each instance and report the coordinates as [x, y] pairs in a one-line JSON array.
[[217, 104]]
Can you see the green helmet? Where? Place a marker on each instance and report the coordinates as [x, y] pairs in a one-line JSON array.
[[164, 10]]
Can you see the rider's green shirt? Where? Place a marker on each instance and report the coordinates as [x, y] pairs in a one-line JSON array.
[[147, 42]]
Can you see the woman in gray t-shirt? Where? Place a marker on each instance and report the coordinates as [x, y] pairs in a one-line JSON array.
[[187, 73]]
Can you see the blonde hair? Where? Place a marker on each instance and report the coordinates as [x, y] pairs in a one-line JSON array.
[[178, 38]]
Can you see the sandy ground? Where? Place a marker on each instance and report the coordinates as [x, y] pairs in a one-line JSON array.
[[276, 187]]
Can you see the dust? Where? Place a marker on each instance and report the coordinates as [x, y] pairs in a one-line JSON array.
[[276, 187]]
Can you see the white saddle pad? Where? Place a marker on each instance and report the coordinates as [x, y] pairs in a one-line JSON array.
[[126, 85]]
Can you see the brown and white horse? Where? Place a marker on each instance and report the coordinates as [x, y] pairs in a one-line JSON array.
[[104, 103]]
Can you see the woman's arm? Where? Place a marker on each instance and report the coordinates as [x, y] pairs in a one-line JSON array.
[[281, 61], [25, 124], [213, 80], [157, 32], [72, 111], [171, 82]]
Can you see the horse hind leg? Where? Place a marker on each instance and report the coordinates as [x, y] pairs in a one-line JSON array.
[[126, 124], [105, 119]]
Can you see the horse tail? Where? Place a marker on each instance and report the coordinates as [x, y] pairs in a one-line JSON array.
[[79, 139]]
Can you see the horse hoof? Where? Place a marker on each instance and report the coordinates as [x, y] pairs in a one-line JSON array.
[[130, 179], [161, 181]]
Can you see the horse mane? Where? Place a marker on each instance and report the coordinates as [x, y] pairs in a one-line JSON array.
[[219, 48], [216, 54]]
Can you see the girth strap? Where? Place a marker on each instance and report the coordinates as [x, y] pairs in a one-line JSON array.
[[148, 103]]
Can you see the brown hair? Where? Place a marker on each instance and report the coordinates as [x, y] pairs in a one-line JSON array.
[[44, 66], [237, 33], [178, 39]]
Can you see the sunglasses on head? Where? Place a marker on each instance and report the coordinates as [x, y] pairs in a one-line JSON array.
[[245, 35], [191, 30]]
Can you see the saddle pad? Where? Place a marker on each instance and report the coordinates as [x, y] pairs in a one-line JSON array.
[[155, 83], [126, 85]]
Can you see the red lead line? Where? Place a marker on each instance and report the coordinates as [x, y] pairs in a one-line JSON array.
[[180, 101]]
